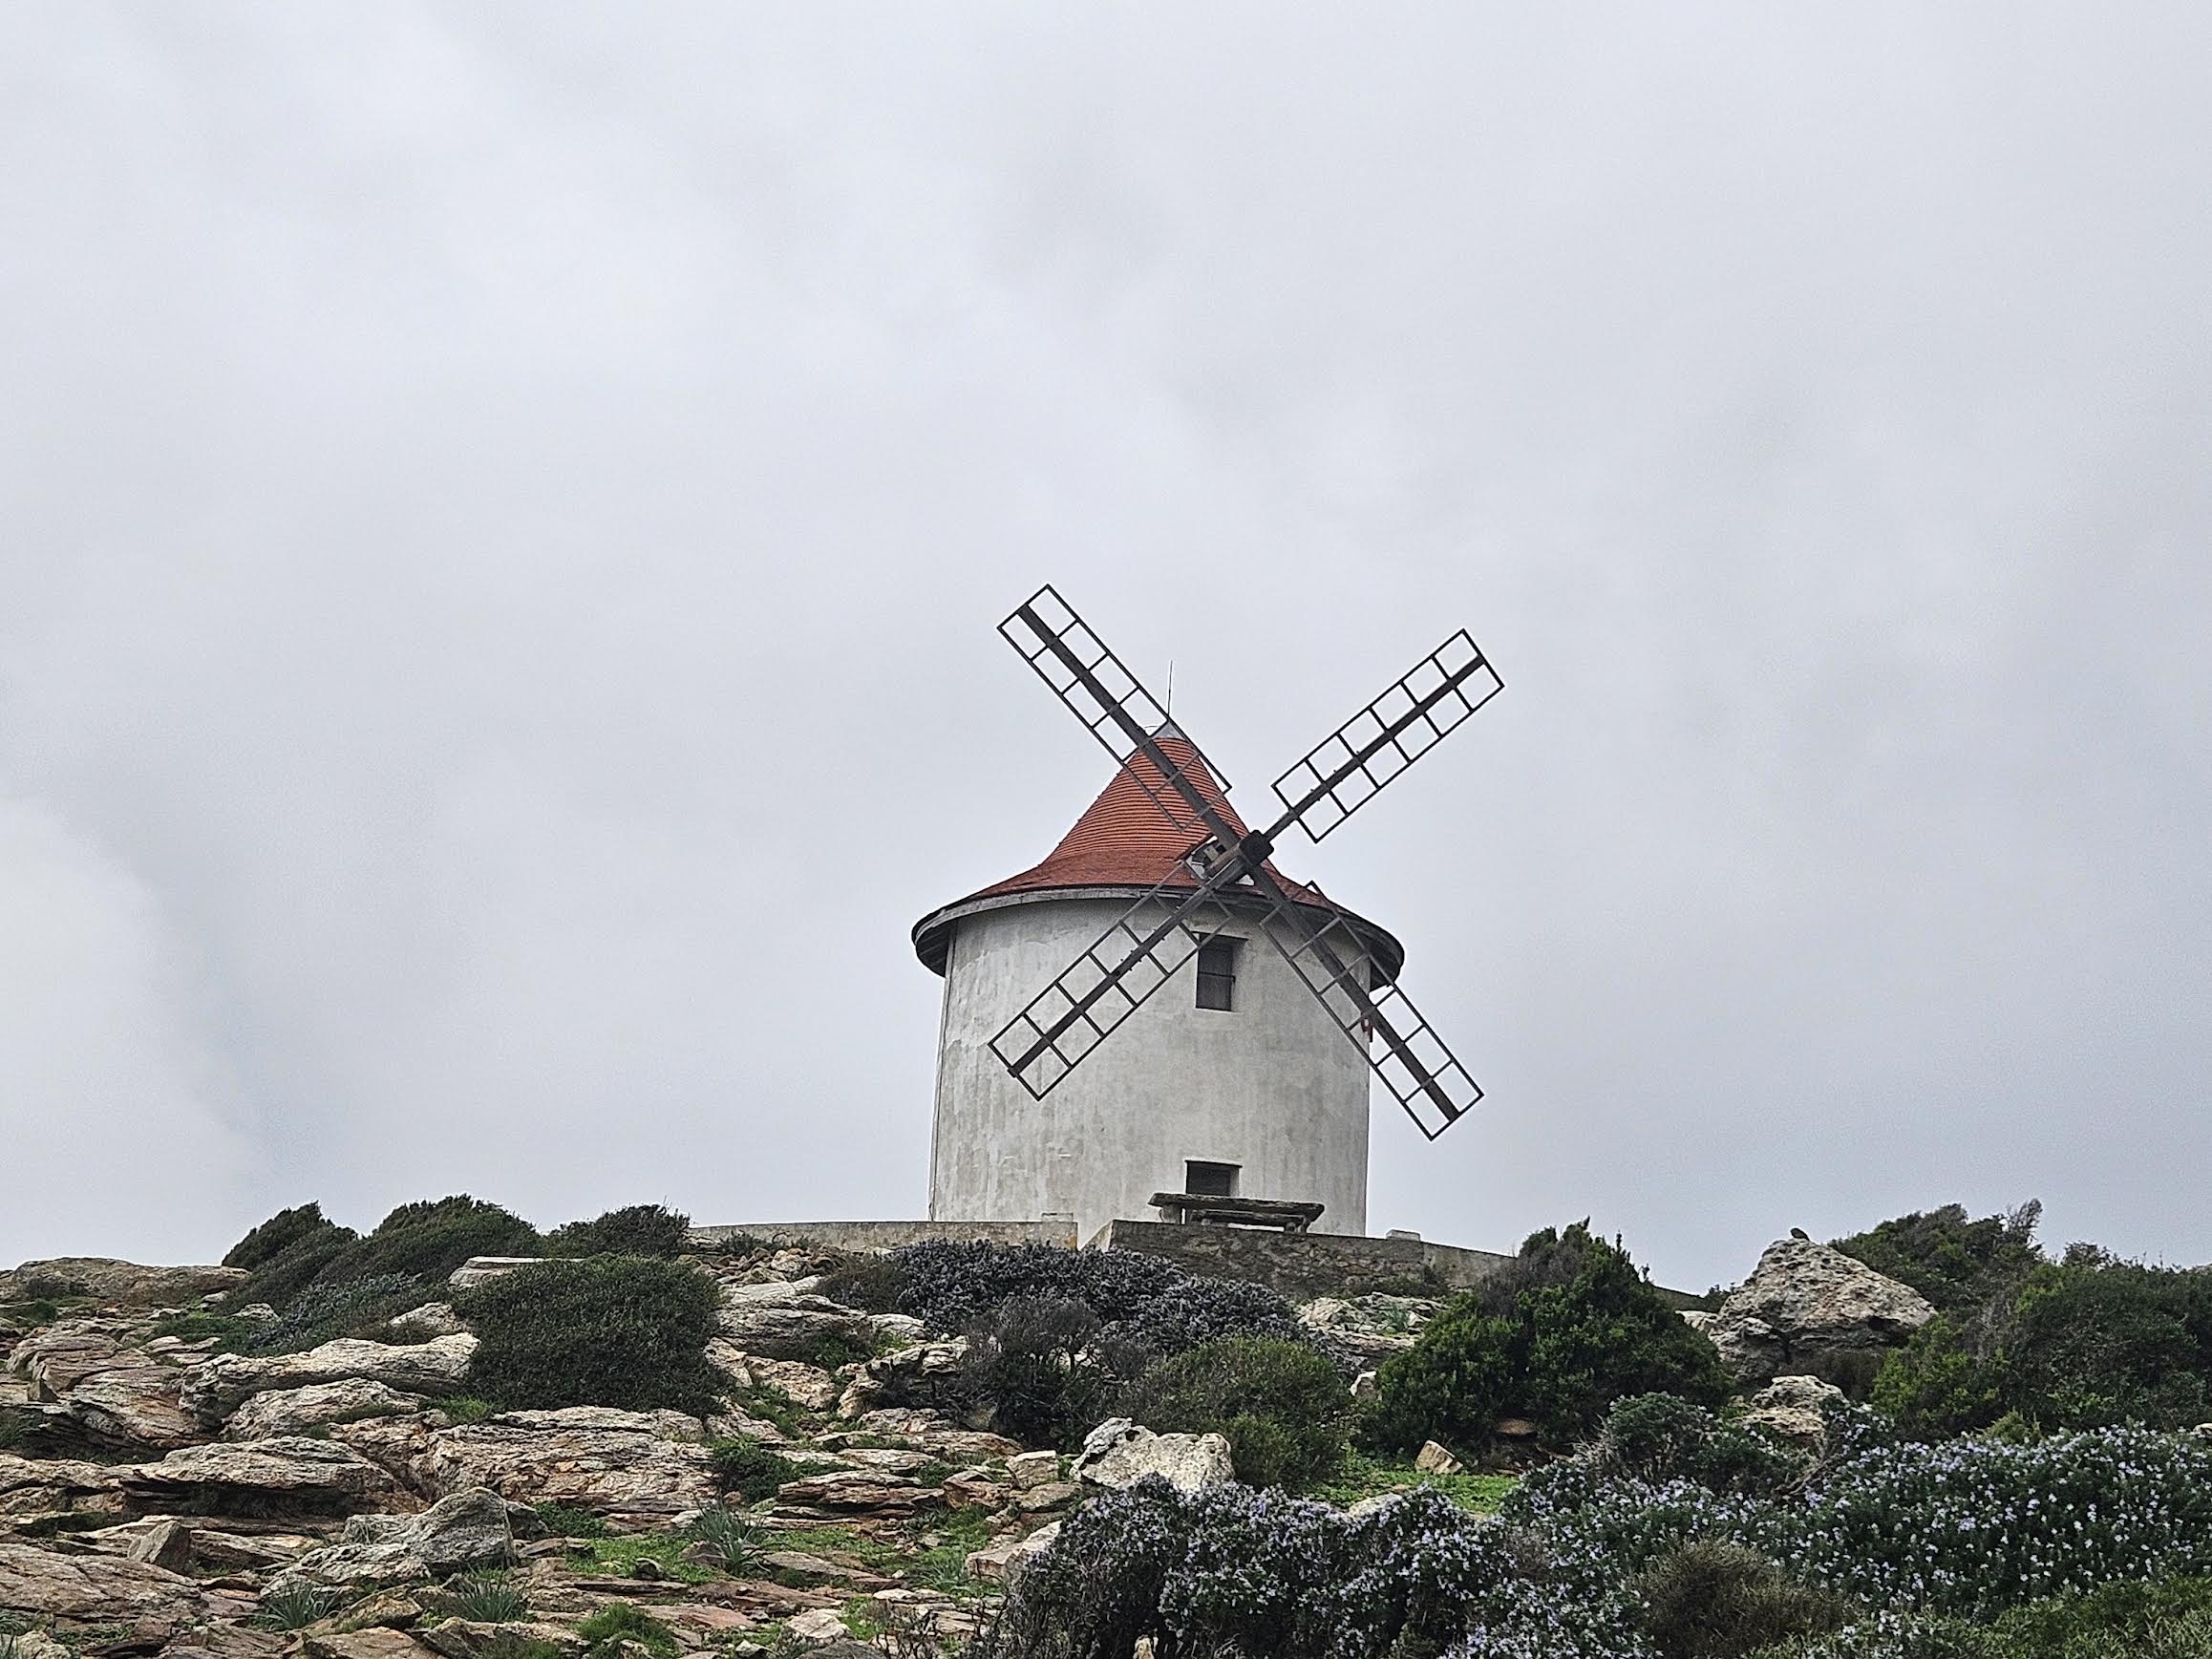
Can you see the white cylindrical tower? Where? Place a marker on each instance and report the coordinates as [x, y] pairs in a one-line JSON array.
[[1231, 1080]]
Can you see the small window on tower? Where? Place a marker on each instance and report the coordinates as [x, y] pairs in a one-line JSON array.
[[1210, 1179], [1217, 971]]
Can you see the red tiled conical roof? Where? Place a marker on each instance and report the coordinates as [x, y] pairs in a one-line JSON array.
[[1124, 841]]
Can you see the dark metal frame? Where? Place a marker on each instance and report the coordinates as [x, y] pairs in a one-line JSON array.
[[1145, 947]]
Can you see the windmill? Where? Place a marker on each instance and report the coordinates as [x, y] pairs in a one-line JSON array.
[[1226, 869]]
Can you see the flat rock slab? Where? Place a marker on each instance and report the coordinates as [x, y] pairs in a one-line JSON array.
[[55, 1485], [295, 1476], [122, 1283], [227, 1381], [588, 1458], [279, 1411], [93, 1588]]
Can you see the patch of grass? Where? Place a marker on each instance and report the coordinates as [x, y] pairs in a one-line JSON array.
[[831, 1352], [771, 1404], [943, 1566], [293, 1607], [618, 1621], [37, 1310], [487, 1597], [618, 1557], [1365, 1476], [467, 1408], [750, 1468], [733, 1540], [559, 1520]]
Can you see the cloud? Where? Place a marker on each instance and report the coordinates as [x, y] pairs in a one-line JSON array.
[[501, 515], [118, 1116]]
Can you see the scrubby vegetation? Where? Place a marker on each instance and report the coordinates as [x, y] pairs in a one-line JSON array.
[[1625, 1551], [1572, 1327], [1281, 1406], [629, 1331], [636, 1230], [2028, 1346]]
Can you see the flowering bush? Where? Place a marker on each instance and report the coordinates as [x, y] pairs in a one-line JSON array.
[[1231, 1570], [1974, 1526]]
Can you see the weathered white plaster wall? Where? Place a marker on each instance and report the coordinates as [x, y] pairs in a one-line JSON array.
[[1270, 1085]]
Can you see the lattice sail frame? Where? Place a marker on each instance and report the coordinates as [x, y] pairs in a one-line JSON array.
[[1352, 765], [1058, 645], [1143, 948], [1111, 980]]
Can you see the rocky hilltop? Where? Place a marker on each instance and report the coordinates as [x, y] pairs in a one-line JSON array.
[[176, 1479]]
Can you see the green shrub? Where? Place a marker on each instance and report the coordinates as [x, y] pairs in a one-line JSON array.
[[1660, 1437], [2156, 1621], [1571, 1326], [284, 1231], [1283, 1407], [869, 1283], [1933, 1388], [602, 1330], [750, 1468], [606, 1628], [354, 1308], [956, 1286], [638, 1230], [429, 1239], [1030, 1361], [1960, 1265], [1720, 1601], [2095, 1341], [282, 1275]]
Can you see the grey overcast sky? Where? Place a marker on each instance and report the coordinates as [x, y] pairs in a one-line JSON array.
[[503, 509]]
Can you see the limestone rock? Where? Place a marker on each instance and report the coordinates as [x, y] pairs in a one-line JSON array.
[[166, 1543], [1032, 1469], [1795, 1409], [930, 1432], [484, 1269], [112, 1394], [998, 1561], [770, 1292], [467, 1530], [118, 1284], [1044, 1499], [860, 1492], [798, 1328], [647, 1463], [57, 1485], [807, 1385], [374, 1643], [1370, 1327], [288, 1476], [93, 1588], [354, 1567], [1805, 1304], [1120, 1453], [925, 1373], [227, 1381], [431, 1319], [295, 1411], [819, 1624], [1434, 1459]]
